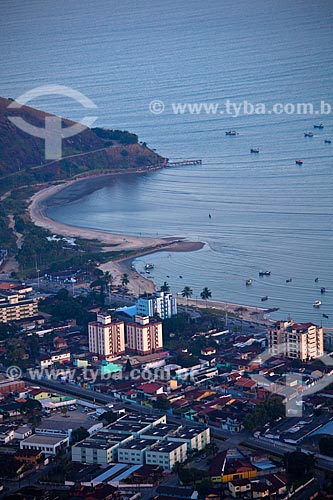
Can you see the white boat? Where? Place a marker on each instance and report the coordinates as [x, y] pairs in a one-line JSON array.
[[317, 303]]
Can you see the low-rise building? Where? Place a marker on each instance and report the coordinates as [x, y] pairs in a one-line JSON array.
[[134, 451], [195, 439], [49, 445], [166, 454], [100, 448]]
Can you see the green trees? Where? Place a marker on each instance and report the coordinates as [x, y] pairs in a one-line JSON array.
[[79, 434], [267, 411], [187, 292], [161, 403], [299, 464], [326, 445], [33, 410], [206, 294], [125, 279], [165, 287], [108, 416]]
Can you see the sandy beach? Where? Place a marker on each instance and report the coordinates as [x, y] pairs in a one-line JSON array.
[[139, 245]]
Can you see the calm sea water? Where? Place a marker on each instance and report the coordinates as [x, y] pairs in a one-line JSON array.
[[267, 213]]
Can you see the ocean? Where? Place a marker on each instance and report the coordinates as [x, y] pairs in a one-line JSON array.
[[267, 213]]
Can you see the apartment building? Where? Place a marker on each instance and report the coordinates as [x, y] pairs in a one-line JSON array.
[[303, 341], [106, 336], [166, 454], [144, 335], [134, 451], [161, 303], [15, 307]]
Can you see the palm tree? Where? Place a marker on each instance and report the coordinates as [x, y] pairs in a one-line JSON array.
[[187, 292], [206, 294], [124, 279], [165, 287], [108, 277]]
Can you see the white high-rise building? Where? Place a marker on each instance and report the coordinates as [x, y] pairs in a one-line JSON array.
[[302, 341], [161, 303], [144, 336], [106, 336]]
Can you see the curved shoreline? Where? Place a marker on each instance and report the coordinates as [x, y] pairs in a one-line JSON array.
[[140, 245]]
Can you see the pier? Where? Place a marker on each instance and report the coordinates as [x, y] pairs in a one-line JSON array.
[[183, 162]]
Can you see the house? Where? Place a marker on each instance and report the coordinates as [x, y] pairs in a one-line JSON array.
[[239, 487], [99, 492], [60, 343], [259, 490], [39, 394], [147, 390], [229, 465], [22, 432], [208, 351], [29, 456]]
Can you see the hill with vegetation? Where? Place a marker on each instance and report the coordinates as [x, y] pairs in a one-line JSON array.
[[22, 159], [24, 170]]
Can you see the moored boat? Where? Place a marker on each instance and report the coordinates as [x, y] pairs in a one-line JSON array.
[[263, 299], [317, 303], [323, 289], [264, 273], [328, 141], [248, 282], [299, 162], [231, 132], [254, 150], [320, 126], [308, 134]]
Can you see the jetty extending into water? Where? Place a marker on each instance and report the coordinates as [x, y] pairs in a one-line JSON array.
[[182, 162]]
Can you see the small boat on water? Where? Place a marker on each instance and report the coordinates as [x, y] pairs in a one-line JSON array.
[[264, 273], [308, 134], [231, 132], [254, 150], [289, 280], [320, 126], [181, 277], [316, 280], [248, 282], [299, 162], [149, 266], [263, 299], [323, 289], [325, 316], [328, 141], [317, 303]]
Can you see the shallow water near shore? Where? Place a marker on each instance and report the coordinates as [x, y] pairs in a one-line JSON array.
[[267, 213]]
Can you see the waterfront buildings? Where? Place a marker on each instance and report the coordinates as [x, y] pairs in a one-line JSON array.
[[144, 335], [106, 336], [303, 341], [162, 304]]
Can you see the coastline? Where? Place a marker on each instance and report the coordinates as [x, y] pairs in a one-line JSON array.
[[139, 245], [244, 312]]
